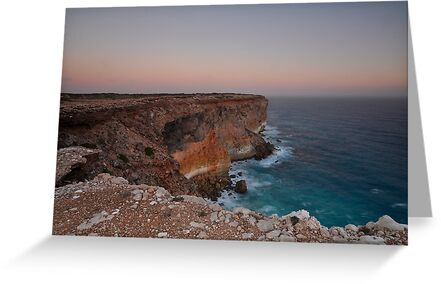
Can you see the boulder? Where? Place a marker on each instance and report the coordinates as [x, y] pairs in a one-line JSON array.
[[241, 186], [301, 214], [242, 210], [285, 238], [386, 222], [265, 225], [273, 234], [215, 207], [72, 159], [351, 227]]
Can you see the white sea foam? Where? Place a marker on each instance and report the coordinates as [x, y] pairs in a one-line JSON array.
[[271, 131], [267, 209], [399, 205], [375, 191], [281, 154]]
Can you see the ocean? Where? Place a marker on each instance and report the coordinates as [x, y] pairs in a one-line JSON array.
[[342, 159]]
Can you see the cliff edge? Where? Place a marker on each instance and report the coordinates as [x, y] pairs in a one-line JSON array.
[[184, 143]]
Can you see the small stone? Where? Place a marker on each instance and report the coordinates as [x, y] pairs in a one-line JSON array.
[[241, 210], [162, 234], [300, 236], [137, 197], [247, 236], [213, 217], [233, 224], [197, 225], [153, 203], [134, 206], [202, 235]]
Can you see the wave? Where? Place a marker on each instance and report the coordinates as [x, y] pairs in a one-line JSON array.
[[375, 191], [271, 131], [395, 205], [282, 153]]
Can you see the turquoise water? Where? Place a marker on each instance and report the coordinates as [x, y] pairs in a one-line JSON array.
[[342, 159]]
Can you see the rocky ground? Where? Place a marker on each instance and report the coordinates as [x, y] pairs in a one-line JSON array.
[[110, 206]]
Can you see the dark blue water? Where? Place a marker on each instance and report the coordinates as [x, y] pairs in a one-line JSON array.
[[342, 159]]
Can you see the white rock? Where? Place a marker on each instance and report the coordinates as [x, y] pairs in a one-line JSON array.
[[386, 222], [160, 192], [339, 239], [273, 234], [300, 236], [119, 180], [242, 210], [213, 217], [162, 234], [215, 207], [338, 232], [351, 227], [265, 225], [371, 240], [195, 199], [96, 218], [233, 224], [370, 225], [247, 236], [285, 238], [251, 220], [197, 225], [202, 235], [324, 232], [301, 214], [313, 224]]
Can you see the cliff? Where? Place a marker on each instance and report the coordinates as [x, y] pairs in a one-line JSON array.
[[165, 140]]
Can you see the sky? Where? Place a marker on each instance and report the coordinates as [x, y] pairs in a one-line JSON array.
[[278, 49]]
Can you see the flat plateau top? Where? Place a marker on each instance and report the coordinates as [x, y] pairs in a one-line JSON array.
[[96, 102]]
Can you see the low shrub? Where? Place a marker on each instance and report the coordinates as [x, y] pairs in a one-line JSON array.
[[149, 152], [123, 158]]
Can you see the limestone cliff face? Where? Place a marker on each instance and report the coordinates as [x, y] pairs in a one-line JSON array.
[[206, 142], [165, 140], [206, 156]]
